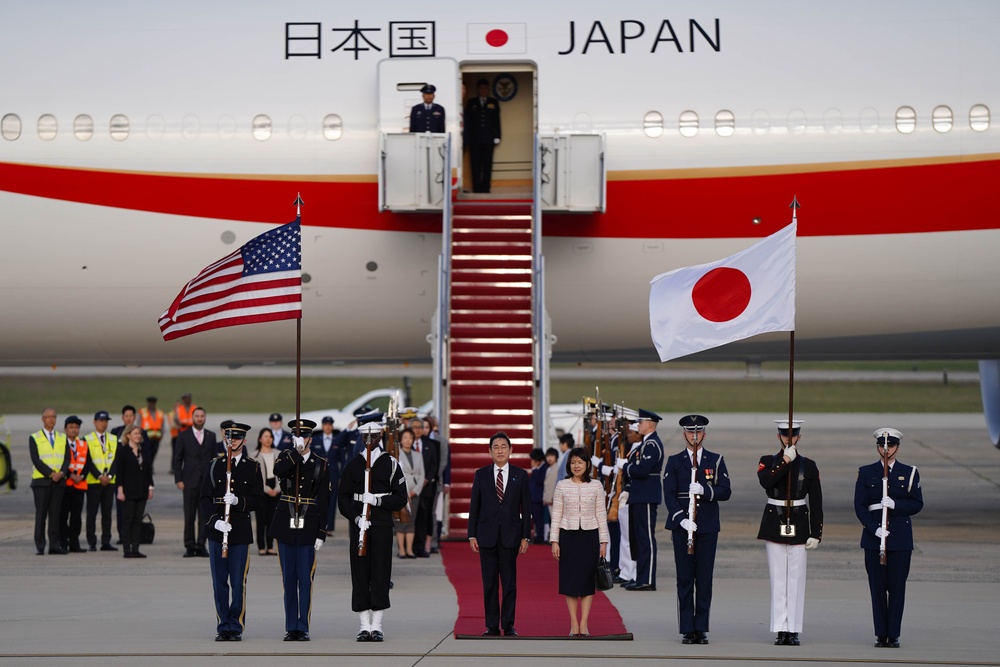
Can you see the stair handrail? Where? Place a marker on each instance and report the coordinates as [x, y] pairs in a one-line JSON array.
[[538, 331], [443, 323]]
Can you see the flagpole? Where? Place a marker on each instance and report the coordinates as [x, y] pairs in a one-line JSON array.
[[298, 332], [791, 388]]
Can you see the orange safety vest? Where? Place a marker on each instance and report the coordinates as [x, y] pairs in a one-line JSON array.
[[185, 416], [152, 423], [77, 459]]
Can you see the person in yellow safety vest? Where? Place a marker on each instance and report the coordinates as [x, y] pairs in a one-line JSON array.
[[152, 422], [102, 448], [181, 420], [71, 515], [48, 452]]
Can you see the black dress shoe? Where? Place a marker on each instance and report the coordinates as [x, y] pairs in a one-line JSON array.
[[629, 585], [510, 632], [491, 632], [303, 636], [642, 587], [235, 636], [423, 554], [892, 642], [793, 639], [138, 554], [291, 636], [700, 638], [187, 554], [619, 580], [880, 642], [781, 639], [377, 636], [202, 553], [222, 636], [92, 547], [364, 636], [58, 551], [108, 547], [78, 550], [40, 552], [688, 638]]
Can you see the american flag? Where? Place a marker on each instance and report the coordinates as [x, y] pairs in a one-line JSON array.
[[260, 282]]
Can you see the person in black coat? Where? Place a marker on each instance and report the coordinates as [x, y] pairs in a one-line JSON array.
[[482, 134], [196, 447], [367, 500], [791, 524], [299, 524], [326, 444], [427, 116], [134, 476], [243, 493], [499, 531], [423, 517], [887, 582], [711, 486]]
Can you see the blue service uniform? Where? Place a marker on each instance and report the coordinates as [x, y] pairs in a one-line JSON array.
[[482, 127], [642, 470], [695, 571], [614, 527], [424, 119], [888, 582], [336, 457]]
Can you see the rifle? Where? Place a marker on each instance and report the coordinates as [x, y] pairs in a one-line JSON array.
[[229, 485], [367, 512], [392, 449], [588, 406], [598, 444], [621, 425], [885, 492], [692, 498]]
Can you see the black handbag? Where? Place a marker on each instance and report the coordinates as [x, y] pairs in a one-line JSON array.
[[603, 579], [147, 531]]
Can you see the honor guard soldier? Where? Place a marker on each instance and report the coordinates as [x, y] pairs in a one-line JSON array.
[[372, 487], [792, 522], [886, 495], [642, 470], [694, 483], [49, 456], [427, 116], [482, 134], [232, 488], [299, 524]]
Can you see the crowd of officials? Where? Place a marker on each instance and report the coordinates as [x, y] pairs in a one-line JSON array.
[[590, 503]]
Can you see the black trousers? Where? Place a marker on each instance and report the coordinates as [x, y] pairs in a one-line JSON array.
[[481, 156], [264, 516], [499, 566], [887, 584], [132, 513], [192, 515], [694, 579], [99, 498], [642, 541], [370, 574], [424, 518], [48, 503], [614, 552], [71, 517]]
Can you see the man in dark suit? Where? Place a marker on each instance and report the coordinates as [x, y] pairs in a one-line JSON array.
[[499, 531], [196, 447], [642, 471], [482, 133], [430, 451], [427, 116], [700, 530], [326, 445], [903, 499]]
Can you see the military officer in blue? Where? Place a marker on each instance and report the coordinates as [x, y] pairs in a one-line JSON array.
[[230, 536], [299, 524], [482, 134], [904, 499], [699, 475], [791, 524], [427, 116], [327, 445], [642, 471]]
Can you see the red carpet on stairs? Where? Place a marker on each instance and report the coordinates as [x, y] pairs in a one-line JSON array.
[[541, 611]]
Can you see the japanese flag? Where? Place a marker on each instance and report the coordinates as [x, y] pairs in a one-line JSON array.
[[701, 307], [484, 38]]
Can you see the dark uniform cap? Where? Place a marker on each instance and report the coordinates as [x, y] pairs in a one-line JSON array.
[[72, 419], [882, 434], [275, 417], [693, 423], [648, 415], [302, 426], [151, 399], [327, 419], [233, 428], [783, 426], [101, 414], [370, 417], [428, 88], [363, 410]]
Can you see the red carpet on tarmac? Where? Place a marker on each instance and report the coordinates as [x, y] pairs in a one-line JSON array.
[[541, 611]]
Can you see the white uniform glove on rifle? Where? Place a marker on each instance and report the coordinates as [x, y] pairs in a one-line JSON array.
[[363, 523], [696, 489], [369, 499], [230, 498], [299, 442], [888, 502], [620, 463], [689, 525], [607, 470], [222, 526], [791, 453], [881, 532], [595, 460]]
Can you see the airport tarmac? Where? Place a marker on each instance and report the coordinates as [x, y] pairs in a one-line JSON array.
[[95, 608]]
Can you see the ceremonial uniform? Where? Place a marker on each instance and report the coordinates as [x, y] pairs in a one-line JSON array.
[[786, 553], [299, 526], [49, 454], [482, 133], [371, 572], [331, 448], [427, 118], [642, 472], [247, 491], [887, 583]]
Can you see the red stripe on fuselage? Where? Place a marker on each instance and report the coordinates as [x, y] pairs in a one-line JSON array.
[[885, 200]]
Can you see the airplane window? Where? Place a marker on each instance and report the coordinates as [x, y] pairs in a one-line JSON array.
[[688, 124], [333, 127], [979, 118], [652, 124], [942, 119], [10, 126], [261, 127], [48, 127], [83, 127], [906, 120], [119, 127], [725, 123]]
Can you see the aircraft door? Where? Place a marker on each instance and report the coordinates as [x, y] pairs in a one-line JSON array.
[[411, 166]]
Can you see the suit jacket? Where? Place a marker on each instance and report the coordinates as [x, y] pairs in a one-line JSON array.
[[772, 473], [482, 121], [422, 120], [712, 475], [135, 478], [191, 459], [335, 457], [493, 523], [904, 489], [431, 451], [642, 471], [579, 507], [313, 478], [246, 486]]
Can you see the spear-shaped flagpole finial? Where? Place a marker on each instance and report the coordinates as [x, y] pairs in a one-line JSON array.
[[298, 204], [795, 206]]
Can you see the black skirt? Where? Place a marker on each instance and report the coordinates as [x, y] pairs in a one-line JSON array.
[[579, 551]]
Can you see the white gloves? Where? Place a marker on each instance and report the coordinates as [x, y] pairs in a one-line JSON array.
[[607, 470], [299, 442], [620, 463], [595, 460], [888, 502], [230, 498], [363, 523], [496, 142], [369, 499], [696, 489], [812, 543], [881, 532], [791, 453], [623, 498], [689, 525], [222, 526], [319, 544]]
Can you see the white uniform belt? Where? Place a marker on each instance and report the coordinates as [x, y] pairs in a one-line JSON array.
[[360, 496], [877, 507], [794, 503]]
